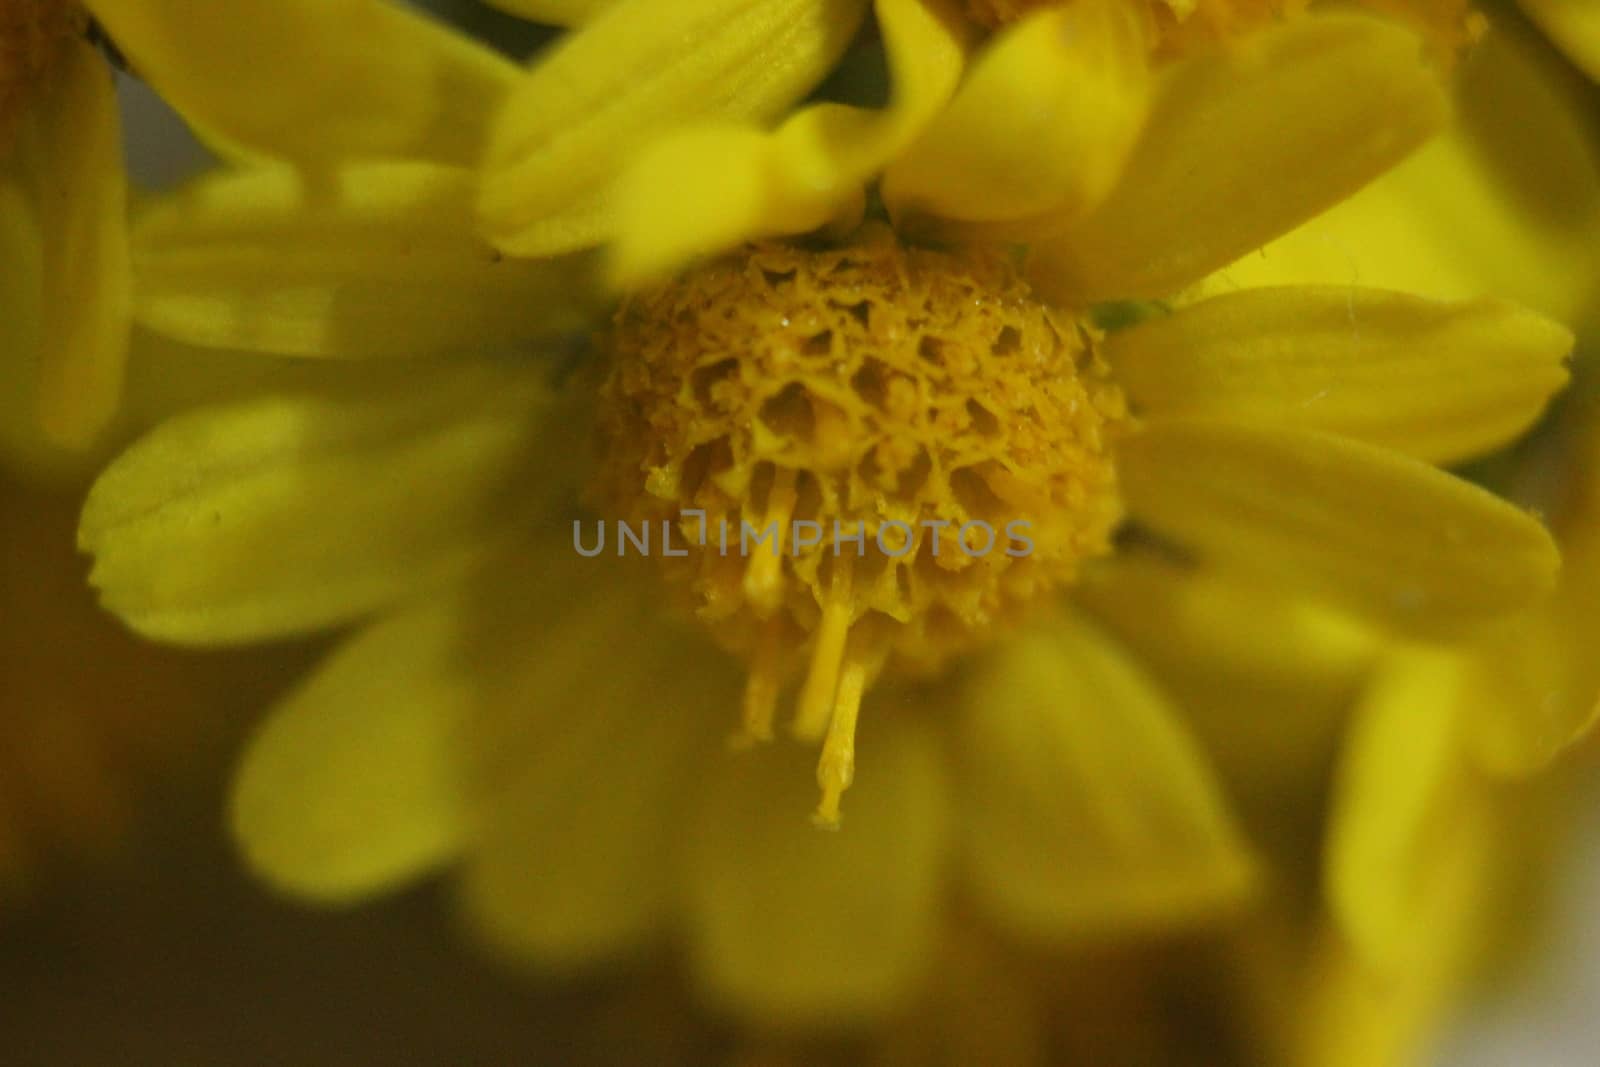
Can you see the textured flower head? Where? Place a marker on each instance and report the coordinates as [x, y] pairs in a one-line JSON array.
[[552, 723]]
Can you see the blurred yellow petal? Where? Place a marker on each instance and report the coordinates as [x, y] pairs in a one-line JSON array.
[[799, 926], [1572, 24], [315, 80], [564, 873], [1308, 113], [1043, 123], [1362, 526], [200, 530], [1087, 811], [353, 784], [708, 188], [380, 260], [68, 161], [1505, 202], [554, 12], [1410, 824], [1441, 382], [1533, 688], [1263, 679], [638, 71], [1534, 691]]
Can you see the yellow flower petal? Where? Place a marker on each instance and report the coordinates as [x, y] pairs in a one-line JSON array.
[[1441, 382], [1243, 145], [353, 785], [290, 513], [554, 12], [1411, 825], [380, 260], [1043, 123], [793, 925], [1534, 691], [315, 80], [706, 189], [1087, 811], [639, 70], [68, 155], [587, 764], [1357, 524], [1572, 24], [1505, 202], [1265, 680]]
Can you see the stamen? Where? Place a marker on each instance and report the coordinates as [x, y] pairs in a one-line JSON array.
[[763, 577], [815, 709], [836, 769], [761, 688]]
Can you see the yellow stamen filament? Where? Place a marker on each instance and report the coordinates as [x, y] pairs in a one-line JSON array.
[[763, 578], [761, 687], [816, 706], [837, 767]]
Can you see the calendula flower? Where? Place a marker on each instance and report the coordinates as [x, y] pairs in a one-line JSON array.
[[548, 721]]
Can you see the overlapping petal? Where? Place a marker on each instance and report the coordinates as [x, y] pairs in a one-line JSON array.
[[1043, 122], [378, 259], [293, 512], [1378, 532], [1412, 827], [315, 81], [707, 188], [1506, 201], [1086, 810], [1441, 382], [583, 110], [354, 784], [565, 870], [1243, 145], [794, 925]]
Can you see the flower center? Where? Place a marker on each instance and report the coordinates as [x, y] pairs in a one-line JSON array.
[[31, 35], [873, 456]]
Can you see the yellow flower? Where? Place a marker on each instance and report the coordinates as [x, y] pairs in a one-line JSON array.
[[538, 717]]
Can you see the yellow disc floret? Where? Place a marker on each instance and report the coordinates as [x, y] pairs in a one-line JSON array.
[[871, 457], [31, 35]]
